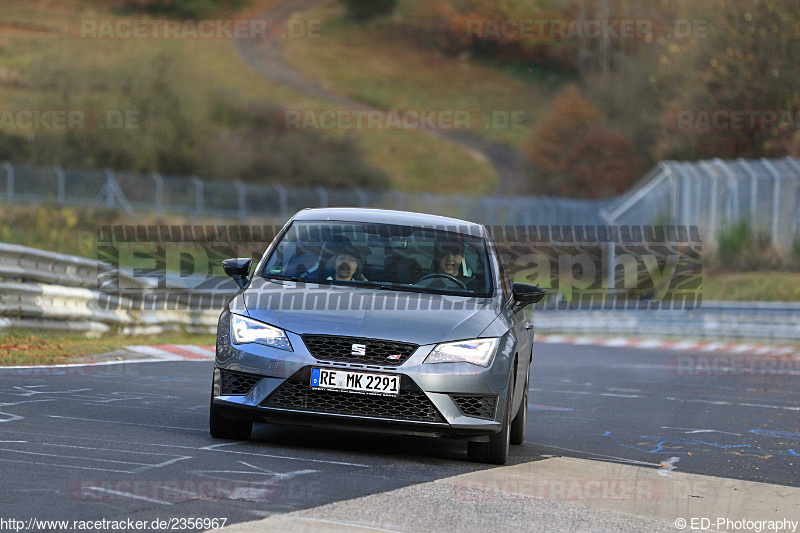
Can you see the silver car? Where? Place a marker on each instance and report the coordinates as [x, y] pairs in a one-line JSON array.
[[377, 320]]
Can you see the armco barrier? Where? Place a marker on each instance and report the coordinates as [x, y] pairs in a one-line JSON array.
[[45, 290], [724, 320]]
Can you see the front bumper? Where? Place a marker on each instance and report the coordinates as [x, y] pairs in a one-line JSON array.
[[271, 385]]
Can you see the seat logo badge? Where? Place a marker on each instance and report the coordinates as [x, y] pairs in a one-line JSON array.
[[359, 349]]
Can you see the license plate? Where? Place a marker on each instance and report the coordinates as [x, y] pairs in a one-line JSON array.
[[357, 382]]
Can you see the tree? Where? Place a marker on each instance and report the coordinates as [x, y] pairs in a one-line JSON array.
[[574, 154]]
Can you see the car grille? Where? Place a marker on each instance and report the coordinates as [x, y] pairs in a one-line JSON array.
[[235, 383], [377, 352], [477, 406], [296, 394]]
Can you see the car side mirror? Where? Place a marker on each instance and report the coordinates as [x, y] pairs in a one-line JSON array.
[[239, 269], [525, 294]]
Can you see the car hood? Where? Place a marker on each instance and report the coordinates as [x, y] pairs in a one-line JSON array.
[[353, 312]]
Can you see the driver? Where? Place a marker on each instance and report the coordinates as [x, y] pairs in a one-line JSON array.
[[448, 258]]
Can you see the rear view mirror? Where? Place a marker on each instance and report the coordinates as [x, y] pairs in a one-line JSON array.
[[238, 269], [525, 294]]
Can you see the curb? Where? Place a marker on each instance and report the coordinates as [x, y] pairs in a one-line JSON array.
[[176, 352]]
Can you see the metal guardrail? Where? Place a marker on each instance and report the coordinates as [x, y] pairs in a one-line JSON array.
[[713, 320], [40, 289], [45, 290]]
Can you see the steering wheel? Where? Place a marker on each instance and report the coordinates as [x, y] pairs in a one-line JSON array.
[[445, 276]]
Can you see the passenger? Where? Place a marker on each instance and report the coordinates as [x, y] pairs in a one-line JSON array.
[[347, 264]]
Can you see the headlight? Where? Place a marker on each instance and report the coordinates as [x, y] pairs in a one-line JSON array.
[[245, 330], [476, 352]]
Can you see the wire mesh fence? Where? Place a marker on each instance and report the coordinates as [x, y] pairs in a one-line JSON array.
[[712, 195]]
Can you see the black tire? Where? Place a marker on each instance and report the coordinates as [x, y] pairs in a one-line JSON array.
[[224, 428], [521, 420], [496, 450]]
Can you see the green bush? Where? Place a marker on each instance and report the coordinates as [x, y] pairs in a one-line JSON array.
[[739, 248], [365, 10]]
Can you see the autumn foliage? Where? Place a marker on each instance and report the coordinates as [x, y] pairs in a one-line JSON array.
[[572, 153]]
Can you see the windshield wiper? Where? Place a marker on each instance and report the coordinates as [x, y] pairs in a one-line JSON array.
[[282, 277]]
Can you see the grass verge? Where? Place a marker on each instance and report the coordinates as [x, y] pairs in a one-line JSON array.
[[371, 64], [45, 64], [764, 286], [23, 347]]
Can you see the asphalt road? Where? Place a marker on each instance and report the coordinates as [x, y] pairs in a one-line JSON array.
[[131, 441]]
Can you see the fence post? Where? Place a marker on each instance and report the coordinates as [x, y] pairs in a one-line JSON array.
[[323, 196], [242, 199], [362, 197], [283, 201], [198, 195], [9, 168], [794, 164], [62, 187], [433, 203], [674, 193], [610, 264], [108, 189], [159, 192], [776, 200], [399, 200], [732, 211]]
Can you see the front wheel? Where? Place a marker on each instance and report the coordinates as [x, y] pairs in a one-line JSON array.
[[521, 420], [496, 450], [224, 428]]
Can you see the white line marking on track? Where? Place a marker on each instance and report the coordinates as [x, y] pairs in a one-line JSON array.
[[213, 446], [342, 463], [125, 423], [101, 449], [719, 402], [128, 495], [66, 466], [74, 365], [615, 459], [695, 430], [74, 457]]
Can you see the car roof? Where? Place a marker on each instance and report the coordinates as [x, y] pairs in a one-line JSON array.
[[385, 216]]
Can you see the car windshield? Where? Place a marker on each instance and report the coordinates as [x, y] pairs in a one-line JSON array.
[[383, 256]]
